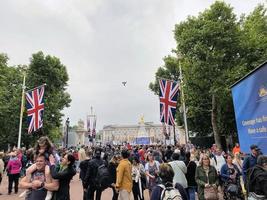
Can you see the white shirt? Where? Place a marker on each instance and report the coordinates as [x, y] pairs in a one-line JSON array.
[[180, 170], [220, 162]]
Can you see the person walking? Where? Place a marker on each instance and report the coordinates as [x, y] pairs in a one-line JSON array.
[[124, 182], [251, 160], [2, 166], [174, 191], [112, 167], [83, 169], [91, 174], [64, 175], [230, 176], [138, 171], [179, 169], [13, 171], [206, 178], [257, 179], [190, 176]]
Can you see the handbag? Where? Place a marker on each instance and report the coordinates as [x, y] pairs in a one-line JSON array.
[[210, 193]]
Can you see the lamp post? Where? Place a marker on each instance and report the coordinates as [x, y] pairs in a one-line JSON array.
[[67, 132]]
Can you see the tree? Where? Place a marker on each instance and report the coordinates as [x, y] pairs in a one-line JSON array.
[[209, 44], [170, 71], [215, 51], [42, 69], [10, 97], [50, 71]]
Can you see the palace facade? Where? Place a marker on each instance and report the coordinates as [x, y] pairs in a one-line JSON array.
[[119, 134]]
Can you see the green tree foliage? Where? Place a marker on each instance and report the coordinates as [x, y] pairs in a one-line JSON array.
[[216, 50], [50, 71], [10, 97], [169, 71], [42, 69]]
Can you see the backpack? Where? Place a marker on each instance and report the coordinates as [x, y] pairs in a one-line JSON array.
[[103, 177], [170, 193]]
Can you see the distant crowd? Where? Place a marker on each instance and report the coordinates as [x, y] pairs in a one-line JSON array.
[[167, 172]]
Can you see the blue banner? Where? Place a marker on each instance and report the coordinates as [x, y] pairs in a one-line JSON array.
[[250, 104], [143, 140]]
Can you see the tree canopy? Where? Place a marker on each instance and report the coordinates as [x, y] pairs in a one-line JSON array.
[[41, 70], [215, 49]]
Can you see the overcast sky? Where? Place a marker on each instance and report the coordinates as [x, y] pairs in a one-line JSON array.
[[102, 43]]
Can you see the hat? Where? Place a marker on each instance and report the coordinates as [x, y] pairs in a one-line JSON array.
[[253, 146]]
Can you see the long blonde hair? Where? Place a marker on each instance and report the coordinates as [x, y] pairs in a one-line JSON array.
[[204, 155], [81, 154]]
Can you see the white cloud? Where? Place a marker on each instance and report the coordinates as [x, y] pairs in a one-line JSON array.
[[102, 43]]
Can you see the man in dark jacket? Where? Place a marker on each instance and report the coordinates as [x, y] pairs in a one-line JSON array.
[[251, 160], [83, 169], [257, 179], [90, 177]]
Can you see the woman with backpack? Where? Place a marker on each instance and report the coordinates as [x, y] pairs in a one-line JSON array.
[[167, 190]]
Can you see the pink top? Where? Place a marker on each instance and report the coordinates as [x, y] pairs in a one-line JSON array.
[[14, 166]]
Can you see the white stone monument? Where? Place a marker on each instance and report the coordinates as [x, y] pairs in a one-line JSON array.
[[142, 135]]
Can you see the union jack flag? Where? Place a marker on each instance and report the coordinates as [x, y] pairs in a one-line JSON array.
[[168, 94], [35, 108]]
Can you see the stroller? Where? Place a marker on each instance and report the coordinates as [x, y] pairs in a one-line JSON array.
[[232, 189]]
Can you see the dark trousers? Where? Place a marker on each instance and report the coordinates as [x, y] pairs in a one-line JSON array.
[[91, 191], [115, 194], [136, 191], [13, 178]]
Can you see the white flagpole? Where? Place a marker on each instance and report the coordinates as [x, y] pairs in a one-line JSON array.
[[21, 110], [184, 108]]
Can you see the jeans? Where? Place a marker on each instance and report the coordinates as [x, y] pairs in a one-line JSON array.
[[91, 191], [191, 192], [13, 178], [115, 194]]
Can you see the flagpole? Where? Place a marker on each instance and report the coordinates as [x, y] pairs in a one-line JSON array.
[[174, 136], [184, 108], [21, 109]]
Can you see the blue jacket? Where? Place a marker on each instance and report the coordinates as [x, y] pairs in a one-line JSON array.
[[249, 162], [225, 173]]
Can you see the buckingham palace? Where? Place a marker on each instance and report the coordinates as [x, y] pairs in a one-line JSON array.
[[119, 134]]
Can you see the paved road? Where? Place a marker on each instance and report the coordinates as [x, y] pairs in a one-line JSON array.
[[75, 191]]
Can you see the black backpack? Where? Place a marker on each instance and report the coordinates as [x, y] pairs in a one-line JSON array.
[[103, 177]]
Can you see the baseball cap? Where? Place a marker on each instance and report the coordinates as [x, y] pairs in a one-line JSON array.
[[253, 146]]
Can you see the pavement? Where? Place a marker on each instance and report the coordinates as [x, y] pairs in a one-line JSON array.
[[76, 191]]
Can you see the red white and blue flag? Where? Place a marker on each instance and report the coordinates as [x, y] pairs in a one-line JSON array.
[[35, 108], [168, 94]]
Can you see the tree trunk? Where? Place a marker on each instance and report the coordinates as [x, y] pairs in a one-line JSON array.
[[214, 122]]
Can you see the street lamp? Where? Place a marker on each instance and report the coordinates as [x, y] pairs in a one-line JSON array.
[[67, 131]]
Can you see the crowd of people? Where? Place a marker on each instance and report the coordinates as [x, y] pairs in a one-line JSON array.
[[167, 172]]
